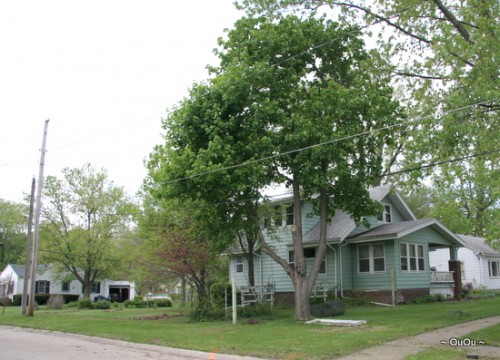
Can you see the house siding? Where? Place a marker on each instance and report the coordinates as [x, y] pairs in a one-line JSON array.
[[474, 268], [75, 287]]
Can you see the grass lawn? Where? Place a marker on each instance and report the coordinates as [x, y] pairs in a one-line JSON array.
[[277, 336]]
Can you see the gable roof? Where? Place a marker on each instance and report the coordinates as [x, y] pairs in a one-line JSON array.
[[478, 245], [19, 269], [378, 193], [401, 229], [342, 224], [337, 229]]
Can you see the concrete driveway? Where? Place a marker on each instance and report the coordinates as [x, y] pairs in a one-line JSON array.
[[28, 344]]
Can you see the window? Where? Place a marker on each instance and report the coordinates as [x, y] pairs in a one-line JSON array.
[[239, 264], [42, 287], [371, 258], [281, 215], [65, 286], [494, 268], [278, 216], [289, 217], [412, 257], [385, 215], [309, 253], [291, 259], [96, 288]]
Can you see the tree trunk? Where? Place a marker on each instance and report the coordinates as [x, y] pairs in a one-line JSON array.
[[87, 285]]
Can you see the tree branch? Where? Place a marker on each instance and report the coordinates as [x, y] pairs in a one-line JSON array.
[[451, 18]]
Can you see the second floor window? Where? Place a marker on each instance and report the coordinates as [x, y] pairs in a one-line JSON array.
[[239, 264], [65, 286], [385, 215], [281, 215]]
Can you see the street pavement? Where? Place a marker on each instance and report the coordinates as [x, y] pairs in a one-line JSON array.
[[28, 344]]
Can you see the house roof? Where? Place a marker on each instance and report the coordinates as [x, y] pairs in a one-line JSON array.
[[337, 229], [342, 224], [478, 245], [19, 269], [401, 229]]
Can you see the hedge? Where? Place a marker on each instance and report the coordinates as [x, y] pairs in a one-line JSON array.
[[41, 299]]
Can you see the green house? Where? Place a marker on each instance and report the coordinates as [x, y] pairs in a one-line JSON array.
[[387, 261]]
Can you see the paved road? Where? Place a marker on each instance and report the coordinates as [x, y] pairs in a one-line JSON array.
[[26, 344]]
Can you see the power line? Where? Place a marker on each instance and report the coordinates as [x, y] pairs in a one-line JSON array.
[[270, 157]]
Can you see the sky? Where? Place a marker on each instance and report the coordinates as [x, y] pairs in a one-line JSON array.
[[104, 73]]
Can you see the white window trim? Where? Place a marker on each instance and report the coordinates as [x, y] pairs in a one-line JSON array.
[[385, 213], [239, 262], [490, 269], [371, 259], [409, 270]]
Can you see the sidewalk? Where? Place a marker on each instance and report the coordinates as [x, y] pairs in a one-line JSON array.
[[399, 349]]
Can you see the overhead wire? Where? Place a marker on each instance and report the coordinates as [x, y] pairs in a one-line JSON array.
[[270, 157]]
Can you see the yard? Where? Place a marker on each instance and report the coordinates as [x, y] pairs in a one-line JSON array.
[[276, 336]]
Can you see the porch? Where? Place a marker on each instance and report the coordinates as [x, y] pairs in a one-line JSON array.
[[442, 277]]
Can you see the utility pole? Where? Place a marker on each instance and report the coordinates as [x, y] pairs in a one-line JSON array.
[[38, 208], [29, 239]]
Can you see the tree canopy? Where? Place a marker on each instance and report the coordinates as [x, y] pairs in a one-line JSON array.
[[444, 55], [82, 216], [13, 225]]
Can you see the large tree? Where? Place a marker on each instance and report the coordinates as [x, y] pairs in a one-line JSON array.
[[293, 102], [82, 216], [445, 58]]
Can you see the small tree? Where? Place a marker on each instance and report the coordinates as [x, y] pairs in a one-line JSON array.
[[180, 244]]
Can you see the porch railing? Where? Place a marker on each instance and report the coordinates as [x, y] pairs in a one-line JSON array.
[[441, 276]]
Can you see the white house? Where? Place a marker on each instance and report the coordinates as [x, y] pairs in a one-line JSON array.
[[480, 262], [12, 283]]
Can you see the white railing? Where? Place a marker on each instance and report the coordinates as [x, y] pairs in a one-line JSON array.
[[441, 276]]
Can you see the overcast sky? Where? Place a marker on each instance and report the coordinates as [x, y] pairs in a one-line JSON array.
[[104, 73]]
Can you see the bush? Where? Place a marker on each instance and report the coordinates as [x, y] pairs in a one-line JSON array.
[[71, 305], [163, 303], [429, 299], [85, 304], [40, 299], [55, 302], [128, 303], [203, 315], [328, 309], [254, 310], [68, 298], [102, 305]]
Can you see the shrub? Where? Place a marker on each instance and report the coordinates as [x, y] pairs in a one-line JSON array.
[[203, 315], [428, 299], [85, 304], [254, 310], [40, 299], [329, 308], [68, 298], [55, 302], [163, 303], [128, 303], [102, 305], [71, 305]]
